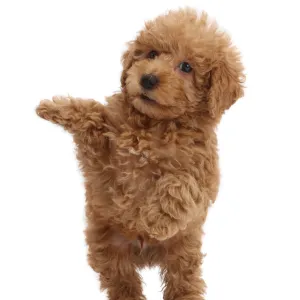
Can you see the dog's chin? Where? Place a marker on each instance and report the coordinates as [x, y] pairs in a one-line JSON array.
[[151, 108]]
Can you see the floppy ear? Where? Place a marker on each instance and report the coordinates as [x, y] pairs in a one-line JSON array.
[[226, 83], [127, 60]]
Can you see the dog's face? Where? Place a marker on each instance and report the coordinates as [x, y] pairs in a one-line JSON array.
[[181, 64]]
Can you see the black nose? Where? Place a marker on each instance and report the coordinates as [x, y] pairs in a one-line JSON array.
[[149, 81]]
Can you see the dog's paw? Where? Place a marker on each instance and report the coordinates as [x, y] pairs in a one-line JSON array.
[[45, 109], [163, 232], [157, 224], [52, 109], [61, 100], [178, 196]]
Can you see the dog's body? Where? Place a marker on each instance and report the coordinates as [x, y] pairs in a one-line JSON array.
[[149, 157]]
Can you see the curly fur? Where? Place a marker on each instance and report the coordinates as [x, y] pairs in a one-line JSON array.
[[151, 167]]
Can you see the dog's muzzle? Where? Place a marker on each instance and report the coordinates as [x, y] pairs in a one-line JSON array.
[[149, 81]]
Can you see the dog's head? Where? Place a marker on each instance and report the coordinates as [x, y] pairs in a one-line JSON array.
[[182, 64]]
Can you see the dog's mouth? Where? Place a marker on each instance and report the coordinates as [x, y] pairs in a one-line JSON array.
[[146, 98]]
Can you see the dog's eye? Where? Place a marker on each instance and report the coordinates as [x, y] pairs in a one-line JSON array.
[[152, 54], [185, 67]]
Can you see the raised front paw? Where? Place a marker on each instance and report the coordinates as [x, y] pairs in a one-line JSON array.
[[58, 110], [49, 109], [44, 109]]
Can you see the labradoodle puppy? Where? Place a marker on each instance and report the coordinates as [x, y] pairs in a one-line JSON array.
[[149, 156]]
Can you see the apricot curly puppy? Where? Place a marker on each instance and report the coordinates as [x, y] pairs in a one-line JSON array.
[[149, 157]]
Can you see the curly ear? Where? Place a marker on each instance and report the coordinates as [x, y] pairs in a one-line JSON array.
[[127, 60], [226, 83]]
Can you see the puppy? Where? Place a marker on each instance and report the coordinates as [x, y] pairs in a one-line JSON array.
[[149, 157]]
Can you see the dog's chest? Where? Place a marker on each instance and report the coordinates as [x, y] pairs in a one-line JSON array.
[[139, 159], [142, 150]]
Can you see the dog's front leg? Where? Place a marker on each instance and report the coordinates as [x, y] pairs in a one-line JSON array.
[[181, 271], [74, 114], [176, 200]]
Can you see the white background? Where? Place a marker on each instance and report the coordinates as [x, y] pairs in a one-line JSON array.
[[59, 47]]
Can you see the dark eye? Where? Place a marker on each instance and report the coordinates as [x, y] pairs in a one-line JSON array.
[[152, 54], [185, 67]]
